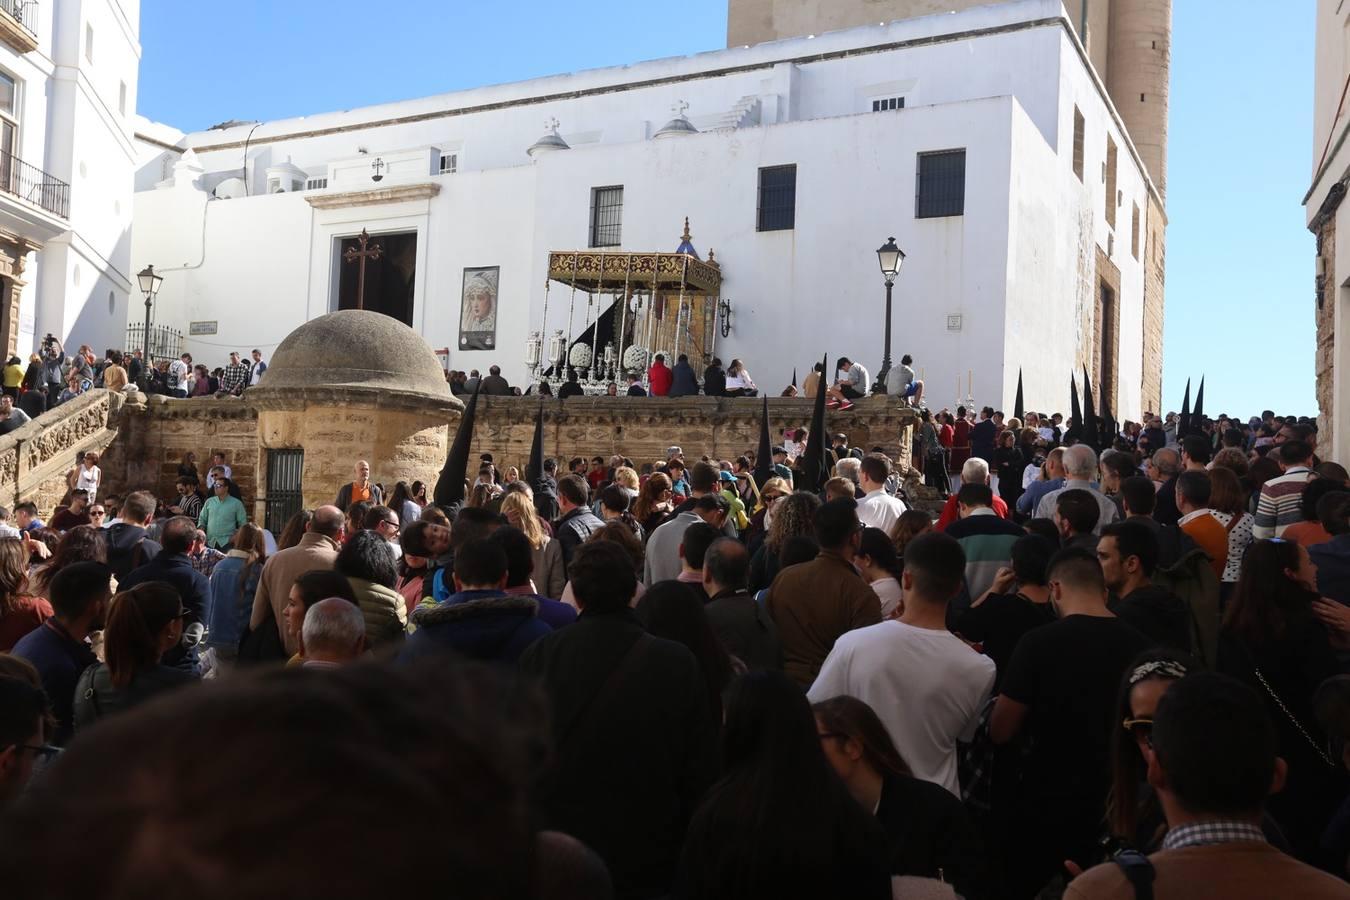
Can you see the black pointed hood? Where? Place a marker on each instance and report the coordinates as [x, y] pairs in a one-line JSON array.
[[1091, 433], [1184, 422], [535, 469], [1075, 431], [450, 486], [764, 455], [814, 472], [794, 376], [1198, 414], [1019, 412]]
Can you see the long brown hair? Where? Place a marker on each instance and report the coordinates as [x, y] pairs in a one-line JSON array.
[[794, 515], [852, 719], [1265, 597], [619, 533], [135, 619], [13, 573], [83, 543], [911, 524], [1225, 492], [294, 530], [650, 495], [1124, 807]]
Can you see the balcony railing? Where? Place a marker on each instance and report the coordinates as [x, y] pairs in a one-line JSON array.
[[30, 183], [18, 24]]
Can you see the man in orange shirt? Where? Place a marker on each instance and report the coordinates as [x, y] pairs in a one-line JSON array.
[[1198, 522], [360, 489]]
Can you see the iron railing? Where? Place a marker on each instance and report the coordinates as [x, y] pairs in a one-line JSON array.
[[25, 12], [165, 342], [32, 184]]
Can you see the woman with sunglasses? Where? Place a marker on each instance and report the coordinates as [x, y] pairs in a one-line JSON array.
[[1134, 817], [143, 623]]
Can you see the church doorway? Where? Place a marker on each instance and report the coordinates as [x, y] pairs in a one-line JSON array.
[[390, 262]]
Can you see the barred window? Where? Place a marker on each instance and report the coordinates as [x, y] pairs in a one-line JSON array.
[[607, 216], [778, 198], [941, 184], [1079, 129]]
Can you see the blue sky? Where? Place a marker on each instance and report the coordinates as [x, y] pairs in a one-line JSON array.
[[1239, 259]]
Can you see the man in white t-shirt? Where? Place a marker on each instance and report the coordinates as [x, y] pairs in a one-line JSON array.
[[877, 509], [926, 684], [178, 373]]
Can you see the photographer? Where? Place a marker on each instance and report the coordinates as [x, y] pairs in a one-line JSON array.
[[53, 361]]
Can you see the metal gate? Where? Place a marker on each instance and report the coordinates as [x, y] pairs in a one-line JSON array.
[[284, 498]]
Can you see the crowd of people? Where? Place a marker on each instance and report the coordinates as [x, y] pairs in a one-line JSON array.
[[851, 382], [773, 675]]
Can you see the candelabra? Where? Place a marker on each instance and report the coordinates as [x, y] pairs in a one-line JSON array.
[[534, 346]]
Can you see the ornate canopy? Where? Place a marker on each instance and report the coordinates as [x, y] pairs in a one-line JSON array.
[[600, 273]]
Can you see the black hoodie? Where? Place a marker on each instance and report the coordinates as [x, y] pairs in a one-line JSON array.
[[123, 540], [1159, 614]]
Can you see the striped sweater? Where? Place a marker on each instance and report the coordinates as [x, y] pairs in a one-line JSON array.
[[1278, 506]]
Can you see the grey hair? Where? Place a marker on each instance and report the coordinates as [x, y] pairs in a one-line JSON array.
[[1080, 460], [333, 625], [975, 471], [1167, 461], [848, 468]]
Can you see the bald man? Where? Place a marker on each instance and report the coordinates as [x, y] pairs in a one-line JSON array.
[[359, 489], [318, 549]]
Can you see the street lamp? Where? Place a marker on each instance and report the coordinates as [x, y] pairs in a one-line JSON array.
[[150, 283], [891, 258]]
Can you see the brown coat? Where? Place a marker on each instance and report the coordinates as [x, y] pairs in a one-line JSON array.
[[1236, 871], [813, 604], [314, 551]]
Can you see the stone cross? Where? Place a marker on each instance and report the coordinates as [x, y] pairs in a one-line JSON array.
[[551, 124], [371, 252], [679, 108]]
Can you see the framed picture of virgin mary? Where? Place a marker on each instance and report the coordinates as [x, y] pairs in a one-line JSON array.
[[478, 309]]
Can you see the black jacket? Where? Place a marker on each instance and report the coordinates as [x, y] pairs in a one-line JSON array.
[[714, 381], [683, 383], [930, 834], [1165, 510], [546, 497], [129, 548], [573, 529], [193, 589], [1158, 613], [745, 630], [627, 777], [496, 386], [570, 389]]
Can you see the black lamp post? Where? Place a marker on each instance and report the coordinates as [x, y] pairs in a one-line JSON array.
[[150, 283], [891, 258]]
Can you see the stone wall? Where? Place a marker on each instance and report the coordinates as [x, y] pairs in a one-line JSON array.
[[406, 443], [643, 428], [35, 459], [1325, 365], [155, 433], [1155, 267]]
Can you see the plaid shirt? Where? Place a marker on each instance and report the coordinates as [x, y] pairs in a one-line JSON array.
[[205, 562], [1220, 831], [235, 378]]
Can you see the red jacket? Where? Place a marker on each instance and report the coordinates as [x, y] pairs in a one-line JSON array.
[[658, 380], [951, 514]]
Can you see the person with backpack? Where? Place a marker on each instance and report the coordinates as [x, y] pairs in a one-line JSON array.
[[129, 546]]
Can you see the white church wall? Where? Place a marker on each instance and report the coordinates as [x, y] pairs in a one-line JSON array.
[[815, 289]]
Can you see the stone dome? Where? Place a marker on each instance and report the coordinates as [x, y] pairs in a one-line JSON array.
[[357, 349]]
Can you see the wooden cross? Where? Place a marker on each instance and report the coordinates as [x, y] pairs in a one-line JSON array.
[[371, 252]]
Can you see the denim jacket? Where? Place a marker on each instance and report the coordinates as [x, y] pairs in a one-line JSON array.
[[231, 599]]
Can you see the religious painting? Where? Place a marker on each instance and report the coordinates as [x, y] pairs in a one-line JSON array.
[[478, 309]]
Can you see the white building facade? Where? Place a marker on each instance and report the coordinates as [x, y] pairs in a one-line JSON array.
[[67, 161], [982, 141]]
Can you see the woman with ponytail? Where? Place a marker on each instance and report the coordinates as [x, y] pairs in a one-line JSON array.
[[142, 624], [877, 561]]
